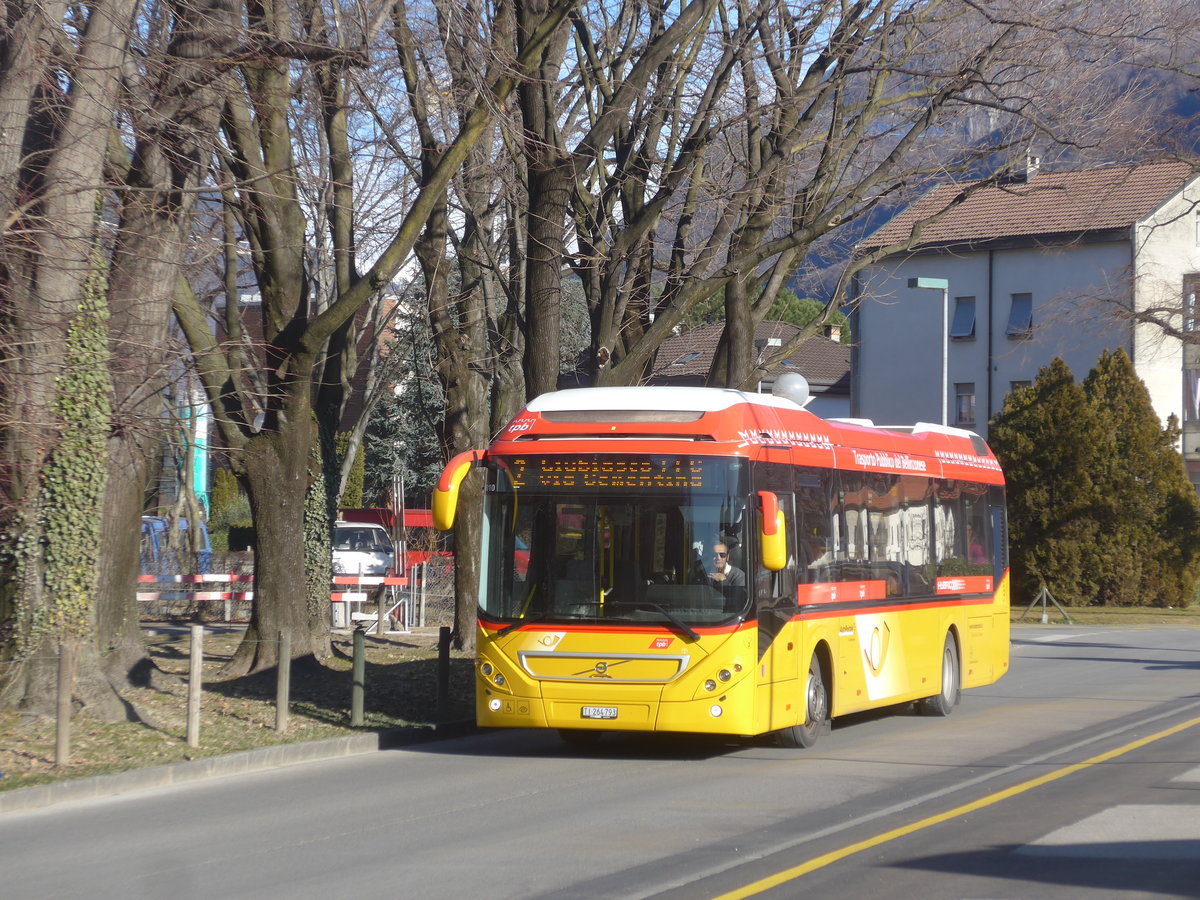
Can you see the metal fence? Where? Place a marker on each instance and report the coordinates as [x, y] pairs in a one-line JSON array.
[[434, 590]]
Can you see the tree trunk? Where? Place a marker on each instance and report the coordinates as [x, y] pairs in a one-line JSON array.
[[118, 633], [168, 165], [545, 224], [43, 271], [277, 479]]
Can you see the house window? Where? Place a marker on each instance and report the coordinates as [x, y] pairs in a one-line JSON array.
[[963, 326], [1020, 316], [686, 358], [964, 403]]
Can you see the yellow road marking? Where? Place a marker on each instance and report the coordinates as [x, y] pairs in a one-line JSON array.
[[819, 862]]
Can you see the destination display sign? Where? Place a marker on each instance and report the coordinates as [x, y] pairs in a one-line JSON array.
[[585, 473]]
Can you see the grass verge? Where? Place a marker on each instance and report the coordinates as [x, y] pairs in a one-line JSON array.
[[1110, 615], [239, 714]]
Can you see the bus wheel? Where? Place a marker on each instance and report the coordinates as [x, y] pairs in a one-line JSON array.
[[816, 700], [943, 703], [579, 737]]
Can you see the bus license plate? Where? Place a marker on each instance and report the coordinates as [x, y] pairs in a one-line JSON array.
[[599, 712]]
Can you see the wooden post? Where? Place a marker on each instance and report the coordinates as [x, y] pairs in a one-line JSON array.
[[443, 671], [66, 684], [358, 685], [283, 683], [195, 678]]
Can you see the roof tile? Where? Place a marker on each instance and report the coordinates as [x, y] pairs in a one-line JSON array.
[[1053, 203]]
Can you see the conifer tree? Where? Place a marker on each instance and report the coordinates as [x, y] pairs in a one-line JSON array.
[[1147, 508], [1046, 437], [1100, 508]]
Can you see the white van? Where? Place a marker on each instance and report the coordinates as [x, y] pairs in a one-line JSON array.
[[362, 548]]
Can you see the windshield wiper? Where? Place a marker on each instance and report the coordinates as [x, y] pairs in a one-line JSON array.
[[528, 620], [679, 624]]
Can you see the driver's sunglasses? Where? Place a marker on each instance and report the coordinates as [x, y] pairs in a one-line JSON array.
[[722, 555]]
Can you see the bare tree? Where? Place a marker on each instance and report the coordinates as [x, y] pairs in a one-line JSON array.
[[795, 121], [269, 432], [58, 85], [173, 102]]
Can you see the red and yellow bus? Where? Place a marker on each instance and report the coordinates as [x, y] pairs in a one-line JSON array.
[[873, 565]]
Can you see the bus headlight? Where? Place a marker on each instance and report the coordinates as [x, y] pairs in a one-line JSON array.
[[714, 711], [724, 674], [710, 685], [493, 677], [494, 704]]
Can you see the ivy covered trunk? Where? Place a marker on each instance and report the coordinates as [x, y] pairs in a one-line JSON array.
[[55, 537]]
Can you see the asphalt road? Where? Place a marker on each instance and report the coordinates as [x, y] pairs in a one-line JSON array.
[[1077, 775]]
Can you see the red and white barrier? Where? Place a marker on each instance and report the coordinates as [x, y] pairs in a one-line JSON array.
[[231, 577]]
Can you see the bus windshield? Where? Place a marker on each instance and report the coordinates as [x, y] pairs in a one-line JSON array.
[[618, 538]]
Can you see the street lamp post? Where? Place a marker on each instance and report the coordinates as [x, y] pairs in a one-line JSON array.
[[943, 285]]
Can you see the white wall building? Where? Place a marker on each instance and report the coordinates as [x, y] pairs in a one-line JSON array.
[[1058, 264]]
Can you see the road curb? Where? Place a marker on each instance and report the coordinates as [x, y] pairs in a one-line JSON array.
[[242, 763]]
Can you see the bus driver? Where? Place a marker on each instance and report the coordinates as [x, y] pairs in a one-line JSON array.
[[725, 576]]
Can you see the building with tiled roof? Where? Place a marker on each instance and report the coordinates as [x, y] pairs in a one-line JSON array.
[[1053, 264], [1050, 206], [684, 359]]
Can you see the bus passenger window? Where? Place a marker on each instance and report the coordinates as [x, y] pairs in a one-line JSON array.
[[814, 521], [962, 528]]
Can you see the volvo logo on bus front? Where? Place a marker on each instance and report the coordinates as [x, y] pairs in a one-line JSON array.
[[601, 668]]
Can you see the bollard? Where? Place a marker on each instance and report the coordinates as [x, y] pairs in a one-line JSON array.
[[195, 671], [283, 683], [358, 684], [443, 671], [66, 682]]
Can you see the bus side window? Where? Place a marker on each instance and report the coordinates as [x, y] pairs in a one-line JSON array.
[[814, 520], [999, 523], [919, 540], [964, 528]]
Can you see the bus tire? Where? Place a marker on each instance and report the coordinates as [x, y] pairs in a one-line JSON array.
[[816, 710], [943, 703]]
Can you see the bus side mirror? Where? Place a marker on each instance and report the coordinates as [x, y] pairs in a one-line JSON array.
[[445, 495], [772, 533]]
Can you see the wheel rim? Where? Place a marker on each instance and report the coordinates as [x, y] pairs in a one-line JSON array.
[[816, 699], [948, 673]]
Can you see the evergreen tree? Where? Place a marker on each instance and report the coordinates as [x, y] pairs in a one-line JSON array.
[[1100, 507], [1046, 438], [1147, 509], [352, 496]]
